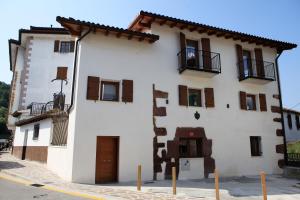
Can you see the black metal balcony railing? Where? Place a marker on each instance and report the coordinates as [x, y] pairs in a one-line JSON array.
[[249, 68], [41, 108], [200, 60]]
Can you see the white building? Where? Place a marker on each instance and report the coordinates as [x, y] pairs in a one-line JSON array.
[[166, 92], [291, 125]]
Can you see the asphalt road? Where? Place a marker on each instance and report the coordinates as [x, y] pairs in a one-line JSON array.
[[15, 191]]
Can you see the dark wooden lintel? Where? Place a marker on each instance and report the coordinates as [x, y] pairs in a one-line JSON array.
[[183, 27], [162, 22], [173, 24], [192, 29], [211, 32], [201, 31]]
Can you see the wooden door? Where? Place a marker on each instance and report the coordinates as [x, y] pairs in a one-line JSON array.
[[107, 159], [24, 144]]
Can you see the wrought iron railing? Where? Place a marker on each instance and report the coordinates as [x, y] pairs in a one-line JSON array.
[[199, 60], [41, 108], [250, 68], [294, 157]]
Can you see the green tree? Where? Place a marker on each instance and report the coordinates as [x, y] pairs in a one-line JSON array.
[[4, 100]]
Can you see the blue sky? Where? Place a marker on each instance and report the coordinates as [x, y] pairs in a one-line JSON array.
[[273, 19]]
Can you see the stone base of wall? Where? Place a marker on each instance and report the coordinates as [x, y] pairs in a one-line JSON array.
[[34, 153]]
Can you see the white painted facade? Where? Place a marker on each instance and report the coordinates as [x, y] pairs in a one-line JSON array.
[[292, 134], [111, 58]]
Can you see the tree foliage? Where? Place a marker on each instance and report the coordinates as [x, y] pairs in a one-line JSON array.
[[4, 100]]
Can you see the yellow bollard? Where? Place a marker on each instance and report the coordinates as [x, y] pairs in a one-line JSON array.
[[263, 185], [139, 178], [174, 180], [217, 184]]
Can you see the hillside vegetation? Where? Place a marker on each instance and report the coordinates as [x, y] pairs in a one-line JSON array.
[[4, 100]]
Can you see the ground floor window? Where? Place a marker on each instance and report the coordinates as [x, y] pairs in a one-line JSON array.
[[255, 144], [190, 148], [36, 131]]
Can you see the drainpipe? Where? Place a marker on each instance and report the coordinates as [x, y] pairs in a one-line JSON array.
[[281, 108], [75, 67]]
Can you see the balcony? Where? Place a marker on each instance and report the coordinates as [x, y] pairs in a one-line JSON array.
[[41, 108], [199, 63], [255, 71]]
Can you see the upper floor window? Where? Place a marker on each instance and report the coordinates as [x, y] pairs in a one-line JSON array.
[[290, 123], [109, 91], [247, 62], [255, 145], [192, 53], [248, 101], [36, 132], [194, 97], [64, 46], [251, 103]]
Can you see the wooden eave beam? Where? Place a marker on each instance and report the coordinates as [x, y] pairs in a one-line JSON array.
[[130, 37], [106, 33], [228, 36], [141, 39], [163, 22], [118, 35], [192, 29], [72, 30], [201, 30], [183, 26], [173, 24], [211, 32], [220, 34]]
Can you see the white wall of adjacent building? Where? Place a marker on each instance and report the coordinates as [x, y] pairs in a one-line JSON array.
[[292, 134], [115, 59]]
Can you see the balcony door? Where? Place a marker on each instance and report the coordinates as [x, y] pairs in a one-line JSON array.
[[247, 63], [192, 54]]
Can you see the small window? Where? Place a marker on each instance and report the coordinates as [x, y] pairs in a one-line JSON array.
[[62, 73], [290, 123], [194, 97], [251, 103], [297, 122], [190, 148], [255, 144], [36, 132], [109, 91], [65, 47]]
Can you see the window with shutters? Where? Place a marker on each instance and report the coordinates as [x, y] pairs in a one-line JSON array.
[[194, 97], [109, 91], [251, 102], [36, 132], [289, 119], [255, 145], [190, 148], [64, 46]]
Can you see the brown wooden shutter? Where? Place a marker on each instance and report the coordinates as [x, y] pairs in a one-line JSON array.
[[127, 90], [209, 97], [183, 95], [72, 45], [259, 62], [182, 50], [206, 53], [243, 100], [262, 102], [93, 88], [56, 45], [62, 73], [239, 53]]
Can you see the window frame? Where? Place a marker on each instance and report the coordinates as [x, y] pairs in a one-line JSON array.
[[257, 140], [253, 97], [199, 145], [199, 91], [36, 132], [115, 83], [65, 42], [289, 120]]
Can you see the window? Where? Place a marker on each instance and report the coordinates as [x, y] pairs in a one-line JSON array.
[[297, 122], [190, 148], [109, 91], [192, 53], [255, 144], [250, 102], [65, 47], [36, 132], [290, 123], [194, 97], [247, 62]]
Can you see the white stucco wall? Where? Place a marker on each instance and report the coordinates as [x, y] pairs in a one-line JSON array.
[[44, 134], [292, 134], [43, 67], [111, 58]]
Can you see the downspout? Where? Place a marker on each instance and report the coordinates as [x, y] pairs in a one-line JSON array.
[[281, 107], [75, 67]]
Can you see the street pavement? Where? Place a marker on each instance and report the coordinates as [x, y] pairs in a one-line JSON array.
[[15, 191]]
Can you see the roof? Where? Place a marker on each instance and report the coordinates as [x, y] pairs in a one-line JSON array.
[[76, 26], [145, 19], [287, 110], [34, 30]]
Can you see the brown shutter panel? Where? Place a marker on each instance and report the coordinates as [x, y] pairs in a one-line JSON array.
[[243, 100], [262, 102], [127, 90], [182, 50], [206, 53], [62, 73], [72, 45], [259, 62], [239, 53], [209, 97], [56, 45], [183, 95], [93, 88]]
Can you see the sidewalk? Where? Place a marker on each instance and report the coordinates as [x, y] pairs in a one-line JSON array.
[[231, 188]]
